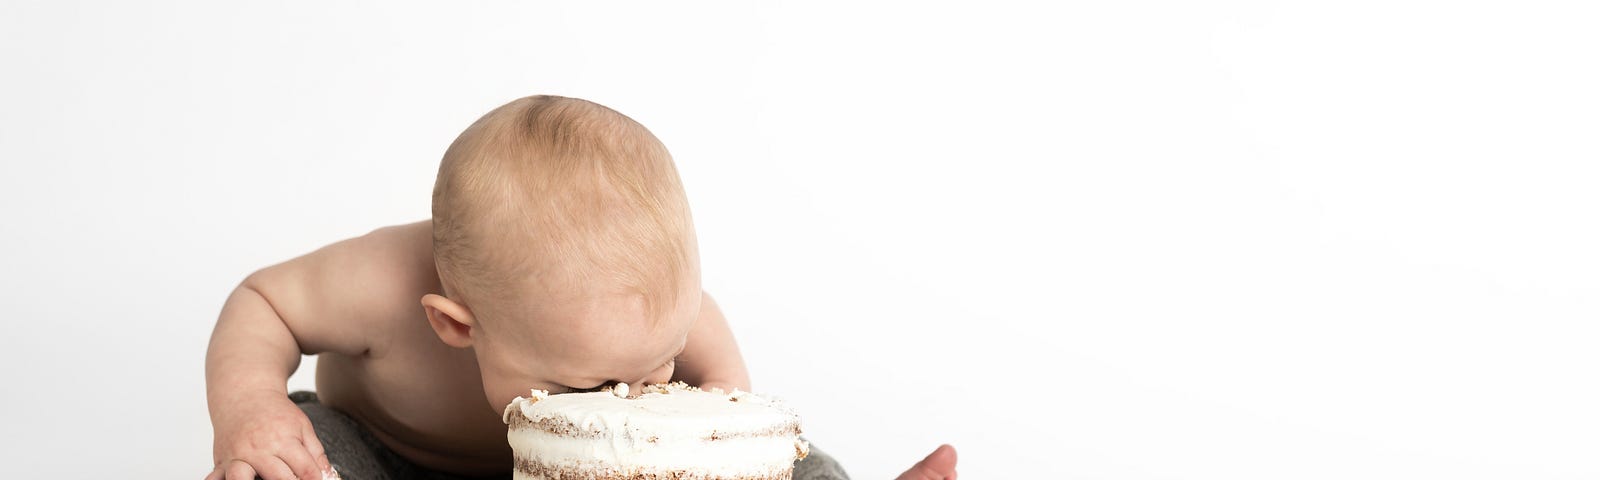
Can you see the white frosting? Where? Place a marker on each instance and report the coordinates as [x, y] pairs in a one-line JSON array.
[[665, 428]]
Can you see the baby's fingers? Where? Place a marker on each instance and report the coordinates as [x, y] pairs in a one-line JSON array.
[[300, 463], [273, 468], [238, 470], [308, 436]]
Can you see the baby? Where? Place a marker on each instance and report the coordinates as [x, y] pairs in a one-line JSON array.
[[561, 256]]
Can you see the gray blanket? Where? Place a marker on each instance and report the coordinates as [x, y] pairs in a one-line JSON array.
[[357, 455]]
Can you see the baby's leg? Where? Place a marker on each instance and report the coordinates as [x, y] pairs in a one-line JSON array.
[[351, 449], [819, 466], [356, 454]]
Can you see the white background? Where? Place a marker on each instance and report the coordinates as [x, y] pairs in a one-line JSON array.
[[1122, 240]]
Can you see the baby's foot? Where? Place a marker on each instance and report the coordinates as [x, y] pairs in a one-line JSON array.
[[939, 465]]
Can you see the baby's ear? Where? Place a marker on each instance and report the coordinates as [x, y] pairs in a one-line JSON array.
[[450, 320]]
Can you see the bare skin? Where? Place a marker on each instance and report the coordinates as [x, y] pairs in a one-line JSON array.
[[429, 382]]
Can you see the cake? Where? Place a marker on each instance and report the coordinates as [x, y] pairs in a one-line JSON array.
[[668, 431]]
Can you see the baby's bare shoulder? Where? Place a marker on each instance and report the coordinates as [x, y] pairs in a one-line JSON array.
[[411, 248], [347, 296]]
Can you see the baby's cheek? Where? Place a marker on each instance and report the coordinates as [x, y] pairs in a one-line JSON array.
[[661, 375]]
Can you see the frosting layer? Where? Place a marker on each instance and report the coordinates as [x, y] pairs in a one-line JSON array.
[[668, 431]]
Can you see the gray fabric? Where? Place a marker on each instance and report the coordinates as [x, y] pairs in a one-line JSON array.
[[819, 466], [357, 455]]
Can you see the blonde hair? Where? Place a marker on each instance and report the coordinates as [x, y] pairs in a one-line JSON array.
[[564, 192]]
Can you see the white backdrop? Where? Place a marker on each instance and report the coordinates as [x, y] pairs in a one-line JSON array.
[[1123, 240]]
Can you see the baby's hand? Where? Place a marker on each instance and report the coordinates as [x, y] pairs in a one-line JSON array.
[[267, 435]]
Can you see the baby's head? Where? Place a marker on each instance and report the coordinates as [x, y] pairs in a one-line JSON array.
[[564, 243]]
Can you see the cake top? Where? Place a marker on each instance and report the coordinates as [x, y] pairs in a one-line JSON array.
[[660, 411]]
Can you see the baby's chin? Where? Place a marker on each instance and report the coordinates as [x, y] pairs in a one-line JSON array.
[[498, 398]]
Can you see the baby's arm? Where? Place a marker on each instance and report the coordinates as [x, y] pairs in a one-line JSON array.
[[711, 356], [319, 302]]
